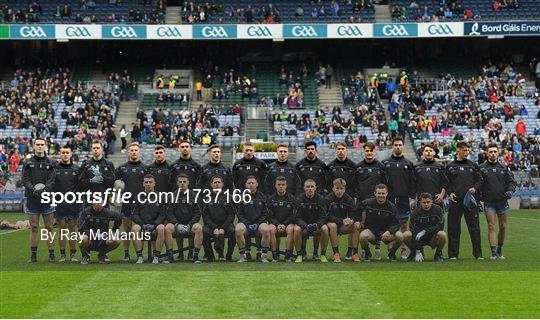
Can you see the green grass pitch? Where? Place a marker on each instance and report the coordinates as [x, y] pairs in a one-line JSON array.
[[454, 289]]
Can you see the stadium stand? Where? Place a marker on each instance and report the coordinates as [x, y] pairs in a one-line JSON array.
[[204, 126], [454, 10], [85, 11], [290, 86], [46, 103], [497, 104], [278, 11]]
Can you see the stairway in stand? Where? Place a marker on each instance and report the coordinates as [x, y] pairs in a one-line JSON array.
[[126, 115]]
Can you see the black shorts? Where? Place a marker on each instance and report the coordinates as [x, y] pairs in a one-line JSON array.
[[67, 212], [97, 245], [252, 233], [427, 239], [308, 233], [377, 233], [127, 210], [345, 230]]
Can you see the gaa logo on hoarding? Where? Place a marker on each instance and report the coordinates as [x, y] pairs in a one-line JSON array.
[[440, 29], [259, 31], [349, 31], [304, 31], [123, 32], [32, 32], [394, 30], [214, 32], [168, 32], [78, 32]]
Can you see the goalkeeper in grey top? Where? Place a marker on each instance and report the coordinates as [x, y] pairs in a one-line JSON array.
[[183, 216]]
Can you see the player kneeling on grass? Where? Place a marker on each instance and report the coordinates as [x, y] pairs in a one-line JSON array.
[[342, 214], [218, 216], [183, 217], [380, 219], [426, 228], [311, 218], [252, 217], [149, 217], [94, 226], [281, 212]]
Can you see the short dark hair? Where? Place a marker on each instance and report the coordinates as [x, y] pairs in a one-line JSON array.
[[40, 138], [426, 195], [149, 176], [492, 145], [214, 146], [381, 186], [97, 142], [182, 175], [310, 144], [216, 177], [185, 141], [396, 139], [369, 145], [341, 144], [281, 178], [159, 147], [428, 145], [463, 144], [252, 177]]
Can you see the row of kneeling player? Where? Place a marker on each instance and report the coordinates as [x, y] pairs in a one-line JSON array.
[[267, 219]]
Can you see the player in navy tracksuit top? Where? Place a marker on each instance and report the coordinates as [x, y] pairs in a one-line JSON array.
[[431, 176], [463, 177], [497, 187]]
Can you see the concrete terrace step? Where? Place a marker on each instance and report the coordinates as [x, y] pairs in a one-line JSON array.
[[173, 15], [332, 96], [383, 13]]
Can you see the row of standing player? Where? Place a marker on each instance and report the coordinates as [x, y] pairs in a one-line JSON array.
[[404, 180]]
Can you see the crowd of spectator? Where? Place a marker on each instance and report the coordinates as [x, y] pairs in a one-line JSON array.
[[448, 10], [193, 13], [13, 150], [85, 13], [268, 12], [504, 4], [170, 128], [231, 83], [28, 104], [219, 85], [324, 124], [479, 104], [356, 90], [124, 85]]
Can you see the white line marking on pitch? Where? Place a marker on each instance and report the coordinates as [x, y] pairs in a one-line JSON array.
[[10, 231], [531, 219]]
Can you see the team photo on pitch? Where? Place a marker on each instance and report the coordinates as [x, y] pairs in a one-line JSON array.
[[284, 159]]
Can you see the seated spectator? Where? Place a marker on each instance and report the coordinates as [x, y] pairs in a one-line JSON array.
[[299, 11], [66, 11]]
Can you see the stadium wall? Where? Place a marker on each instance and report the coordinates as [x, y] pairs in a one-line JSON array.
[[268, 31]]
